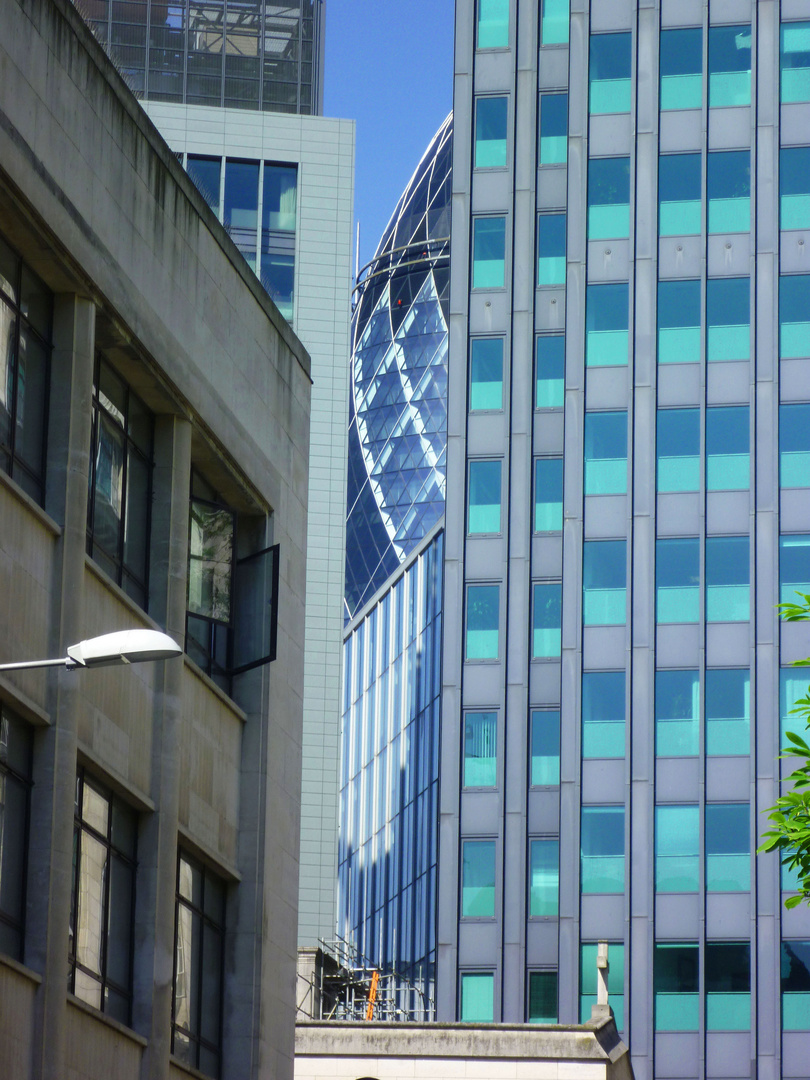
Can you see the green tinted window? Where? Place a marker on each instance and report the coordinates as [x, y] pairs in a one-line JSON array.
[[551, 249], [678, 450], [542, 997], [478, 878], [480, 749], [794, 445], [677, 849], [728, 986], [548, 493], [604, 582], [728, 183], [547, 621], [609, 73], [795, 985], [489, 253], [729, 65], [482, 622], [728, 711], [678, 322], [728, 466], [728, 315], [493, 24], [794, 567], [677, 580], [676, 987], [607, 314], [794, 187], [681, 66], [484, 509], [605, 453], [545, 749], [553, 129], [490, 132], [554, 22], [795, 61], [486, 374], [477, 997], [603, 711], [728, 579], [602, 838], [677, 713], [728, 847], [794, 316], [679, 195], [550, 372], [608, 198], [587, 981], [544, 877]]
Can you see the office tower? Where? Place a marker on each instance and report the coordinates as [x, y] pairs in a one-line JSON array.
[[627, 501]]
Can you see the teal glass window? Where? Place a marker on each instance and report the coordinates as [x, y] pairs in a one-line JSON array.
[[792, 686], [604, 583], [795, 61], [728, 986], [728, 579], [542, 997], [676, 987], [677, 849], [551, 249], [677, 713], [544, 878], [484, 509], [728, 317], [677, 446], [681, 65], [609, 73], [679, 195], [602, 860], [478, 879], [677, 580], [550, 372], [788, 876], [548, 494], [728, 847], [603, 710], [605, 453], [545, 749], [547, 621], [607, 314], [477, 997], [729, 66], [480, 749], [489, 253], [490, 132], [794, 567], [608, 198], [493, 24], [728, 184], [728, 711], [554, 22], [728, 464], [794, 446], [678, 322], [794, 316], [795, 985], [486, 374], [587, 981], [483, 603], [553, 129], [794, 187]]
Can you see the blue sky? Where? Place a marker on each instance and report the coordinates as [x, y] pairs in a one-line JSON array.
[[389, 66]]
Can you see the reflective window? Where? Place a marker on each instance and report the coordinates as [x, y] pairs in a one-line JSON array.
[[16, 743], [609, 73], [489, 253], [480, 749], [542, 997], [545, 748], [729, 65], [554, 22], [728, 711], [792, 686], [794, 446], [605, 453], [493, 24], [795, 61], [279, 208], [677, 580], [206, 172], [548, 494], [728, 466], [602, 840], [677, 849], [486, 374], [728, 986], [608, 198], [484, 509], [482, 622], [603, 710], [681, 64], [728, 317], [607, 314], [676, 987], [553, 129], [551, 249], [547, 621], [587, 981], [794, 187], [241, 210], [678, 322], [795, 985], [677, 445], [550, 372], [794, 567], [604, 582], [679, 195], [490, 132], [544, 877], [794, 316], [728, 847], [728, 184], [728, 579], [478, 879], [477, 997], [677, 713]]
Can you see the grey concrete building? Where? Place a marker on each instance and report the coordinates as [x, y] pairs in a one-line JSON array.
[[627, 502], [154, 440]]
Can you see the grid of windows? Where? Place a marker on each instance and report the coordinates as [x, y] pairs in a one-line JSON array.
[[16, 745]]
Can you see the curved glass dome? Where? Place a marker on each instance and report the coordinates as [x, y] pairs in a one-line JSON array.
[[398, 399]]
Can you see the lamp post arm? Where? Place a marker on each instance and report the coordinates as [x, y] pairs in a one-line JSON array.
[[64, 662]]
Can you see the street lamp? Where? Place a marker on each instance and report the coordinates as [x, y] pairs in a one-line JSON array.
[[121, 647]]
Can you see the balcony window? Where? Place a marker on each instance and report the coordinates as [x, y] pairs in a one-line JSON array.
[[728, 711], [206, 173], [679, 195], [795, 985], [728, 182], [676, 987], [728, 465], [728, 315], [681, 65], [678, 450], [544, 878], [554, 22], [607, 314], [548, 494], [478, 879], [794, 446], [794, 567], [550, 372], [16, 747], [602, 849], [551, 249], [608, 198], [545, 748], [677, 849], [728, 986], [587, 981], [677, 580], [605, 453], [480, 749], [677, 713], [483, 604], [542, 997], [794, 187], [728, 847], [728, 579], [678, 322], [603, 711], [484, 510], [604, 583], [547, 621], [486, 374], [794, 316], [729, 66], [609, 73], [795, 61], [489, 253], [553, 129], [279, 208], [477, 997], [490, 132]]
